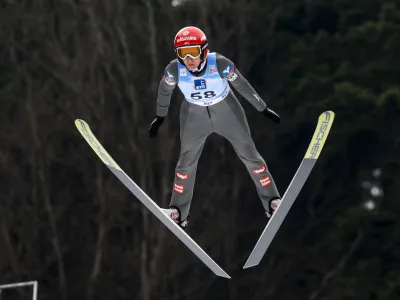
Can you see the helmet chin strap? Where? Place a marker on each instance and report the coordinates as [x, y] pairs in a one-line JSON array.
[[203, 63], [200, 67]]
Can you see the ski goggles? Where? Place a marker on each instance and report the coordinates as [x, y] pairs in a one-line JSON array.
[[191, 51]]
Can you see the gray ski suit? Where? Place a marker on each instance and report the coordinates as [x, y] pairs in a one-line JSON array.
[[199, 119]]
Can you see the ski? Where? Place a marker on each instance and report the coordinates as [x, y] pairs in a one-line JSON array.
[[324, 125], [86, 132]]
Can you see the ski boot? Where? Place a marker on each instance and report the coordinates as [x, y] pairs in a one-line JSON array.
[[174, 214], [273, 205]]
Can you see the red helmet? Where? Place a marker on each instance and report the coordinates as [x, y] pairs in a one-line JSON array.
[[191, 41]]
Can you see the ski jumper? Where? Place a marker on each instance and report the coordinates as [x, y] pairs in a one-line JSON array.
[[211, 107]]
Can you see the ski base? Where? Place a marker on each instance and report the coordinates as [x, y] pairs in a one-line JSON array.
[[325, 122], [86, 132]]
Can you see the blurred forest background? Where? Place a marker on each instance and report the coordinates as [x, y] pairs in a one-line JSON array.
[[66, 221]]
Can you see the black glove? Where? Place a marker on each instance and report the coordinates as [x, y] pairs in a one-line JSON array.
[[269, 113], [155, 125]]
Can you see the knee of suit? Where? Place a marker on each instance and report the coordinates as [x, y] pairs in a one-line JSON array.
[[186, 167]]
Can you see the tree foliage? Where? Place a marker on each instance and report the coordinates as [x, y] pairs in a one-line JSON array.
[[66, 221]]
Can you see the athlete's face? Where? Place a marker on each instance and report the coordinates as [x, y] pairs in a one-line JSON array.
[[191, 63]]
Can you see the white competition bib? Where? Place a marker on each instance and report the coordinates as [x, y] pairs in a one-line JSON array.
[[206, 90]]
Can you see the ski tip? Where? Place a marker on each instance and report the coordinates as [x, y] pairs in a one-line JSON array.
[[324, 125], [328, 111], [80, 122], [91, 139]]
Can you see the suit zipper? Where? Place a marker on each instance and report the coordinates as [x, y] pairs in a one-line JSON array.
[[208, 111]]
